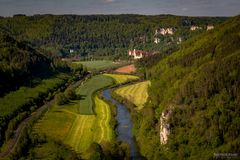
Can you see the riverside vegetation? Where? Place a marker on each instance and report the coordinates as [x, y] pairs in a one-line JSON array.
[[81, 124]]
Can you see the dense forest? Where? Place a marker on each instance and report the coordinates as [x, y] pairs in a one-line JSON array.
[[20, 64], [198, 87], [100, 35]]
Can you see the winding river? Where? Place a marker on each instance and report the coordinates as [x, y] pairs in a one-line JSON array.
[[124, 128]]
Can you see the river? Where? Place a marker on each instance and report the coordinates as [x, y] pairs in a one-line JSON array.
[[125, 126]]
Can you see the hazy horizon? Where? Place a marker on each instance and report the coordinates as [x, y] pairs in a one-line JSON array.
[[93, 7]]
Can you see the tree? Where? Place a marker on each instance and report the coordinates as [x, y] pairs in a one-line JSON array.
[[61, 99]]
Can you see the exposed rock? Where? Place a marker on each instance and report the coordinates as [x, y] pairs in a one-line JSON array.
[[164, 126]]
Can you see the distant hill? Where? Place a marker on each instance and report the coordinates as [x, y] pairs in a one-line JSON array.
[[20, 64], [100, 35], [195, 95]]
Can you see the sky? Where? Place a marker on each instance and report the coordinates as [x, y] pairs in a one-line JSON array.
[[146, 7]]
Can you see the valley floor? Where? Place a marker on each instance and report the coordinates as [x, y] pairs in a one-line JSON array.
[[74, 125]]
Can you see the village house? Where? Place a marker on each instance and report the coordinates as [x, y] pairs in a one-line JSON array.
[[137, 54]]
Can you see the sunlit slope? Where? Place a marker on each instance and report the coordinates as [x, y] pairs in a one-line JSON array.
[[136, 93]]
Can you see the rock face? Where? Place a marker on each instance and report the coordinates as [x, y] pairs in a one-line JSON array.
[[164, 126], [164, 31], [193, 28]]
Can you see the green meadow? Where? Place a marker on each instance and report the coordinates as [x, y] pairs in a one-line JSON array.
[[86, 91], [81, 122], [64, 123], [98, 64]]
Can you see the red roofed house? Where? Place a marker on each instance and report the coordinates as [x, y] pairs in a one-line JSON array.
[[137, 54]]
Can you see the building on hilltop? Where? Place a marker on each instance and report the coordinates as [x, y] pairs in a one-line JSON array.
[[137, 54]]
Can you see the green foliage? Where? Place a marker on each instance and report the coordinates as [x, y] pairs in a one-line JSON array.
[[201, 84], [99, 35], [12, 125], [20, 64], [23, 99], [61, 99], [70, 93]]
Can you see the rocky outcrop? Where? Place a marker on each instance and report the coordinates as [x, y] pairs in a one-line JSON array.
[[164, 126], [164, 31]]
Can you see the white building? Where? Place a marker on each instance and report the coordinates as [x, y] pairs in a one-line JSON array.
[[210, 27], [137, 54]]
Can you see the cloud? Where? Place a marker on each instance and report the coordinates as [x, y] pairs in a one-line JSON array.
[[109, 1]]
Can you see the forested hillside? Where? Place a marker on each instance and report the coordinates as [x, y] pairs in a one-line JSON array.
[[100, 35], [20, 64], [197, 89], [28, 77]]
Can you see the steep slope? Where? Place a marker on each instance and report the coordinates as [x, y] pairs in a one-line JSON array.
[[20, 63], [195, 94]]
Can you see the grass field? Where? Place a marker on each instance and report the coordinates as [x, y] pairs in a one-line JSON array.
[[90, 128], [67, 124], [56, 123], [75, 123], [79, 131], [121, 78], [99, 64], [136, 93], [87, 90]]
